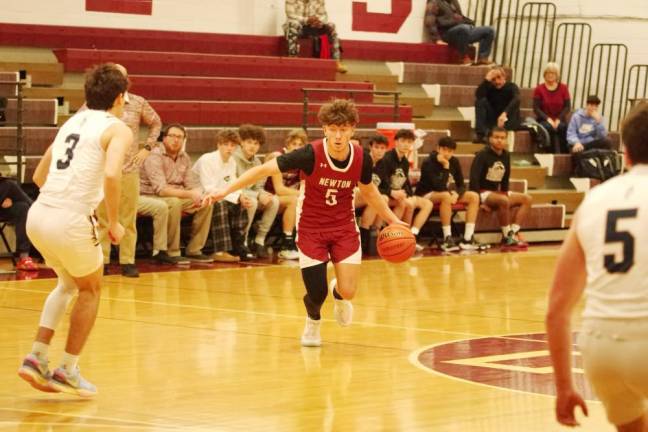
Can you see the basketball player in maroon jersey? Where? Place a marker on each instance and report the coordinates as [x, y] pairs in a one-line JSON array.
[[326, 228]]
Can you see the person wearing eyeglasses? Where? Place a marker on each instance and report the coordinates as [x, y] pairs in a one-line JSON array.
[[168, 187]]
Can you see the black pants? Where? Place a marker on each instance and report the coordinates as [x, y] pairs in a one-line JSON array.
[[17, 213], [558, 136], [601, 143], [486, 117]]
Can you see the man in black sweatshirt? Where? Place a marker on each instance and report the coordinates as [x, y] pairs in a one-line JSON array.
[[489, 177], [438, 171], [497, 103], [393, 170]]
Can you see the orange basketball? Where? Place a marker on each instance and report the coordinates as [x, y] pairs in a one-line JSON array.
[[396, 243]]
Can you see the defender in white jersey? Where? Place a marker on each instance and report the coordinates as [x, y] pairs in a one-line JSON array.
[[84, 161], [606, 256]]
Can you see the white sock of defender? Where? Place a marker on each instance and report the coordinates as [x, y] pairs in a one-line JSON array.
[[470, 231], [506, 229], [515, 228]]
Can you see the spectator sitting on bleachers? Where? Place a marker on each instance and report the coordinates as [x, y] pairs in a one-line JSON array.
[[168, 187], [587, 128], [497, 103], [444, 20], [438, 171], [309, 17], [286, 187], [552, 105], [393, 170], [14, 205], [216, 170], [489, 177], [369, 219], [252, 138]]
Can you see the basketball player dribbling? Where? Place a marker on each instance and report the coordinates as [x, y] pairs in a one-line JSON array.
[[83, 164], [326, 228], [605, 255]]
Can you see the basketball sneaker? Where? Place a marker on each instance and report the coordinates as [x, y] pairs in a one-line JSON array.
[[509, 243], [34, 370], [72, 383], [472, 245], [342, 309], [449, 245], [521, 244], [288, 249], [311, 336]]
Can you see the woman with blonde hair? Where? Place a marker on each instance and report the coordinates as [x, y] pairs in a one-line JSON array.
[[552, 106]]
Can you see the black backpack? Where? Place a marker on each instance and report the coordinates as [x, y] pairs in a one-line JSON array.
[[598, 164], [539, 135]]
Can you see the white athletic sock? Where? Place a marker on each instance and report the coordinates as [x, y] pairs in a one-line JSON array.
[[69, 362], [515, 228], [470, 231], [506, 229], [288, 233], [40, 349], [415, 231], [447, 231]]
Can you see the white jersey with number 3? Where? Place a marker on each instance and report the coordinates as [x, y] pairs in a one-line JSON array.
[[76, 172], [612, 228]]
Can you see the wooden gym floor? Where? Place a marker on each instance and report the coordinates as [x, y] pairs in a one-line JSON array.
[[445, 343]]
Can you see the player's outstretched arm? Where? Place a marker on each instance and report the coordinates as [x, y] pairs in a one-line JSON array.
[[371, 194], [115, 140], [568, 284], [40, 174], [249, 177]]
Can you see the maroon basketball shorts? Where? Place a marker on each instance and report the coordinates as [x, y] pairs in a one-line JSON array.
[[338, 245]]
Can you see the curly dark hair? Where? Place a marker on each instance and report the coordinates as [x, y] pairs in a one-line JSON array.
[[103, 84], [338, 112], [253, 132]]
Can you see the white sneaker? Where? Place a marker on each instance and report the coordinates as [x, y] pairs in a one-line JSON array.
[[311, 336], [288, 254], [343, 309]]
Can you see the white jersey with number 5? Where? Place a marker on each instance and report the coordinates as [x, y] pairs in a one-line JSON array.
[[76, 173], [612, 228]]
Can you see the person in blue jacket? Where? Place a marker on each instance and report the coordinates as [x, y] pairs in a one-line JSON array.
[[587, 128]]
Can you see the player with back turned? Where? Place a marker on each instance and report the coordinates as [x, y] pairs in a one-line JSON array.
[[605, 256]]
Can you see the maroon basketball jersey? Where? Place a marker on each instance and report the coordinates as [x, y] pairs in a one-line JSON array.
[[327, 201], [290, 179]]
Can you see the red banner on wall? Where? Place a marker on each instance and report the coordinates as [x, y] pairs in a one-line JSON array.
[[363, 20], [139, 7]]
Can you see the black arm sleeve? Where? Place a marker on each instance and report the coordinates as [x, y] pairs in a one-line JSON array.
[[482, 90], [504, 186], [367, 168], [438, 180], [382, 170], [515, 91], [537, 110], [565, 111], [476, 172], [302, 159], [455, 169]]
